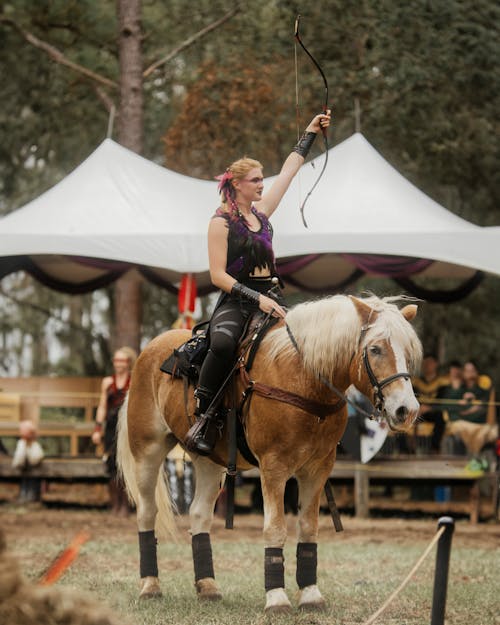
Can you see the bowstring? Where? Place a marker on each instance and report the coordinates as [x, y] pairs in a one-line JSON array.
[[297, 114]]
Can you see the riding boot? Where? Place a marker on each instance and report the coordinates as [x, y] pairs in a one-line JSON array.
[[202, 436]]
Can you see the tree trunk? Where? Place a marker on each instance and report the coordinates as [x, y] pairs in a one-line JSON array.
[[128, 300]]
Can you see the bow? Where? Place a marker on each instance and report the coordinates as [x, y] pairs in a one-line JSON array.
[[325, 109]]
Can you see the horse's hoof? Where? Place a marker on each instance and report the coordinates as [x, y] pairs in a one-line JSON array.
[[207, 590], [311, 600], [150, 588], [278, 609], [319, 606], [277, 602]]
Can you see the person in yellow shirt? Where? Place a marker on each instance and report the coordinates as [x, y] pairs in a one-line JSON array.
[[428, 387]]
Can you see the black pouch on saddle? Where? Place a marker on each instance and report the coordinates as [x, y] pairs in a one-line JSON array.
[[186, 360]]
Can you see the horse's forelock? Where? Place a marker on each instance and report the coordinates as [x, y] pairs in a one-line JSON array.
[[391, 325]]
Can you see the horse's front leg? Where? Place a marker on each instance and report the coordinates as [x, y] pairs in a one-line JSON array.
[[209, 478], [310, 489], [273, 492]]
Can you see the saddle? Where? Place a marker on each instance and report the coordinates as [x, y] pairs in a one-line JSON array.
[[185, 361]]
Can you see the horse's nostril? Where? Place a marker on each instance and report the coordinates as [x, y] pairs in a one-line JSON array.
[[402, 413]]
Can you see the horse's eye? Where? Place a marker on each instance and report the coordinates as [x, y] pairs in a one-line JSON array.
[[375, 350]]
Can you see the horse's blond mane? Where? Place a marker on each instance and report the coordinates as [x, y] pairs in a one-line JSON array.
[[328, 332]]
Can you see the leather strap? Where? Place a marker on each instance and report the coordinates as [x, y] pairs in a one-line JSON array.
[[271, 392]]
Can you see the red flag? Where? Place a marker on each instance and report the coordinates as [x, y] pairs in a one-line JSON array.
[[186, 300]]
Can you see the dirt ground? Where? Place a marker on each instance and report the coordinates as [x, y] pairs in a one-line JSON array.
[[40, 521]]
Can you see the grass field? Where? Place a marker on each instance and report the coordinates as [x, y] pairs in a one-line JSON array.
[[358, 569]]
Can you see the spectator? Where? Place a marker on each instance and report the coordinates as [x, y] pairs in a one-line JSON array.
[[475, 398], [28, 453], [113, 392], [468, 430], [453, 391], [427, 387]]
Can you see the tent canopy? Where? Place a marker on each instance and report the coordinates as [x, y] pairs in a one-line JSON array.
[[118, 210]]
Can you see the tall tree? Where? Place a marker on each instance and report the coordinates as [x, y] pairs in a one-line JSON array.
[[128, 298]]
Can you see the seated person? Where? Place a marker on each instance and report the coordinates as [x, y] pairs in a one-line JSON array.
[[28, 453], [453, 391], [427, 387], [467, 428], [475, 398]]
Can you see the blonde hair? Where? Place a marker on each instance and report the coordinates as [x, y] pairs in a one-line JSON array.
[[237, 170], [130, 353], [242, 166]]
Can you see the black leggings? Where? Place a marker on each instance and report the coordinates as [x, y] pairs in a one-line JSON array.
[[226, 328]]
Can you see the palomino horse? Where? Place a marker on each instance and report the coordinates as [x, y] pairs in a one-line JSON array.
[[339, 341]]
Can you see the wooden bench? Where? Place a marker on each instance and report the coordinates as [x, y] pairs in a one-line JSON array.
[[25, 398], [64, 469], [410, 470], [392, 472]]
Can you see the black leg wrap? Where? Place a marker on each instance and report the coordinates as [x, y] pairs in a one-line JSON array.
[[307, 564], [274, 568], [147, 550], [202, 556]]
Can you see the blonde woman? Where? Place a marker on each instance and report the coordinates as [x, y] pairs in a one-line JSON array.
[[113, 392], [242, 266]]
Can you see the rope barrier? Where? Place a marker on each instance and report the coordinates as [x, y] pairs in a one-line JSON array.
[[404, 583], [424, 399]]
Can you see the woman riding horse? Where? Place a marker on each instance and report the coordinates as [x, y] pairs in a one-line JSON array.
[[241, 265]]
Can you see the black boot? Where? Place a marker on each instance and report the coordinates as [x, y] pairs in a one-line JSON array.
[[202, 436]]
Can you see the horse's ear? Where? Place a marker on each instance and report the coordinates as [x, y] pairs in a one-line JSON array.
[[409, 312], [364, 311]]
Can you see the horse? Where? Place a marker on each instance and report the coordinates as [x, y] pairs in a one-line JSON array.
[[317, 352]]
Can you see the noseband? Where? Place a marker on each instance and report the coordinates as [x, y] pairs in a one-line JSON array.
[[378, 386]]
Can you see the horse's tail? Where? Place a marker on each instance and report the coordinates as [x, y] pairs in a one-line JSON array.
[[165, 519]]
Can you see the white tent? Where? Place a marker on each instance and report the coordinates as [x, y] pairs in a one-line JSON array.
[[118, 207]]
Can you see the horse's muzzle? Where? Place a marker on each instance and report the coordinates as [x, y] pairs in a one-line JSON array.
[[403, 417]]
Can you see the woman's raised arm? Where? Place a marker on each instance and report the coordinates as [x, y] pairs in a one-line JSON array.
[[293, 162]]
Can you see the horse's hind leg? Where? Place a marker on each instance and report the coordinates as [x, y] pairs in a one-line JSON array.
[[208, 483], [147, 475], [310, 489]]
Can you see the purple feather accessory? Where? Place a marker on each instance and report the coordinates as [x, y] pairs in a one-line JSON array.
[[224, 179]]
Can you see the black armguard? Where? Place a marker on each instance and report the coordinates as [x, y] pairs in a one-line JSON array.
[[245, 292], [304, 144]]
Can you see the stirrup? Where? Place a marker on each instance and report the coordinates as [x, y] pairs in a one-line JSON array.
[[201, 436]]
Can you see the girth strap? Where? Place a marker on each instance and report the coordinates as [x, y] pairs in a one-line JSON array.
[[271, 392]]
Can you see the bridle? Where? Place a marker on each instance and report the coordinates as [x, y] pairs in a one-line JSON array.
[[378, 396], [378, 386]]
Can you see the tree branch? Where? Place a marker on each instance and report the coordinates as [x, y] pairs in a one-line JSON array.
[[190, 40], [50, 315], [109, 105], [57, 55]]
